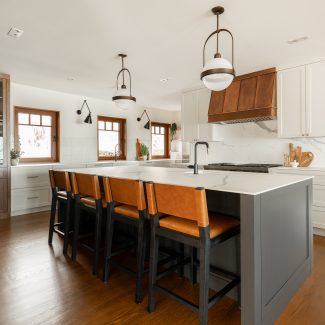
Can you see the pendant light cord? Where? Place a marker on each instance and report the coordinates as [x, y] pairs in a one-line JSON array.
[[218, 33], [123, 69]]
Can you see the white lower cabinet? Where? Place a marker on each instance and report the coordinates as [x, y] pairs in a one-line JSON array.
[[30, 189], [25, 199], [318, 207]]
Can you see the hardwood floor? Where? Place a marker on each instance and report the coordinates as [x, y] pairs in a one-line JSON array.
[[38, 285]]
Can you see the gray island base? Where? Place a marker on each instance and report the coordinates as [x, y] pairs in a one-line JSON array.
[[276, 232]]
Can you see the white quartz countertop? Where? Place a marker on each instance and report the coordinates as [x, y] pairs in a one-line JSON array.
[[234, 182], [300, 169]]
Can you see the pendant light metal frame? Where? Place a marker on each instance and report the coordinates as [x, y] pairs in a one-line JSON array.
[[122, 71], [218, 11]]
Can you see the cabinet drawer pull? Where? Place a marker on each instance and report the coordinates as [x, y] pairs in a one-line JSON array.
[[32, 177], [32, 197]]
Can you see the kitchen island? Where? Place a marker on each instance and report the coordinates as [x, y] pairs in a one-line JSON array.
[[276, 231]]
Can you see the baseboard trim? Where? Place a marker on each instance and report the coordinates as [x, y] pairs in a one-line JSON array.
[[31, 210], [319, 231]]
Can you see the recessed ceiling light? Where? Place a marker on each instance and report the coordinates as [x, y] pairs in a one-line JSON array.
[[15, 32], [164, 80], [298, 40]]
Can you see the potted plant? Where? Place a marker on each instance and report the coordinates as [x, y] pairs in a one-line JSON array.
[[144, 152], [173, 130], [15, 154]]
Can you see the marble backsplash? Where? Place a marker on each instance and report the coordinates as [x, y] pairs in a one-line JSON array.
[[256, 142]]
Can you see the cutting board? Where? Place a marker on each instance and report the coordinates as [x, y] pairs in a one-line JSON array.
[[306, 159]]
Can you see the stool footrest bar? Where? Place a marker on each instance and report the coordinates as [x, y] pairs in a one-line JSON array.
[[215, 298], [172, 268], [178, 298]]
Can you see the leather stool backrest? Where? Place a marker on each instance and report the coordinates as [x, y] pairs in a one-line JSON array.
[[124, 191], [179, 201], [85, 185], [60, 180]]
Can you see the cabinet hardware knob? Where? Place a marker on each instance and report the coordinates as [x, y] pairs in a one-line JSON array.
[[32, 176], [32, 197]]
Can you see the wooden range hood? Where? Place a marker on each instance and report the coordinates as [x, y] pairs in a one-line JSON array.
[[250, 98]]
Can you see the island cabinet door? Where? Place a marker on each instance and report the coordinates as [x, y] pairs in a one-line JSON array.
[[315, 99], [276, 250], [291, 102]]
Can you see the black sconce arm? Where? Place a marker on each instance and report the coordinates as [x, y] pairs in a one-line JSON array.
[[79, 111], [144, 112]]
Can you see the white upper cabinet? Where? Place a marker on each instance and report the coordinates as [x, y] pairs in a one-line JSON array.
[[189, 117], [315, 99], [291, 102], [301, 101], [195, 108]]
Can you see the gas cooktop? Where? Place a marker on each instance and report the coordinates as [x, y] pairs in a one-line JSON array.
[[253, 168]]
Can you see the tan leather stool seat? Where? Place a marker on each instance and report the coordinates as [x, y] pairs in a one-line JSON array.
[[88, 200], [219, 224], [127, 210]]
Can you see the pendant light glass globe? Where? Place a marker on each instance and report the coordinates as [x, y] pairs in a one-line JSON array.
[[217, 74], [123, 100]]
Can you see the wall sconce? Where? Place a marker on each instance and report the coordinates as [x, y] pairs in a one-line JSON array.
[[148, 124], [88, 119]]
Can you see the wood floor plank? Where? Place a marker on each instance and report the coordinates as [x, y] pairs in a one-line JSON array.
[[41, 286]]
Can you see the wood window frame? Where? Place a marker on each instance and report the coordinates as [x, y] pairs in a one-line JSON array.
[[166, 140], [122, 137], [55, 143]]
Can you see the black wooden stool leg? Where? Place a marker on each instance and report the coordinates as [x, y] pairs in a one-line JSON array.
[[108, 246], [180, 259], [193, 267], [140, 261], [204, 275], [98, 226], [154, 251], [76, 228], [52, 218], [67, 225]]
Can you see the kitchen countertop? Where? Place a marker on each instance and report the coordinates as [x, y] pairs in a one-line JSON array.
[[103, 162], [234, 182], [301, 169]]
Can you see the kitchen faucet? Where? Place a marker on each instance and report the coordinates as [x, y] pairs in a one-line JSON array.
[[116, 151], [196, 166]]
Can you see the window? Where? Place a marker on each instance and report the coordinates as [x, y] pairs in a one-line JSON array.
[[111, 137], [36, 134], [159, 140]]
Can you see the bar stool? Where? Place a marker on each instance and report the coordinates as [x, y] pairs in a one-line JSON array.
[[189, 222], [88, 197], [126, 204], [61, 192]]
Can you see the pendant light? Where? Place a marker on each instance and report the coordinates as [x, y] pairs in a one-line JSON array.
[[123, 97], [218, 73]]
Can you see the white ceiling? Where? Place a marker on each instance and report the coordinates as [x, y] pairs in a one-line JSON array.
[[81, 39]]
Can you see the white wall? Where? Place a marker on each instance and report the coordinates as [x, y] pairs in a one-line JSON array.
[[79, 140], [256, 143]]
